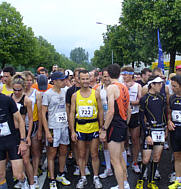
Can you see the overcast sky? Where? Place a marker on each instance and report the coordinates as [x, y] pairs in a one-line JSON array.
[[68, 24]]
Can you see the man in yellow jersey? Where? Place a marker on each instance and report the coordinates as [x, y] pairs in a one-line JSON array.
[[86, 111], [8, 73]]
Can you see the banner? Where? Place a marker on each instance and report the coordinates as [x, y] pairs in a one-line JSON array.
[[160, 54]]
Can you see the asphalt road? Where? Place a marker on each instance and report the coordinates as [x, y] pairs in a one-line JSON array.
[[165, 169]]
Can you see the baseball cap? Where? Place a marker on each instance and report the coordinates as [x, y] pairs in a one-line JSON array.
[[40, 68], [42, 81], [156, 80], [69, 72], [58, 75], [178, 67]]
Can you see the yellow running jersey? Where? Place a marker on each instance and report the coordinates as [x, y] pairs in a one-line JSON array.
[[86, 113], [5, 91]]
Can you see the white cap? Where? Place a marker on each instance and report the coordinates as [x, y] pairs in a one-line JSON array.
[[156, 80], [69, 72]]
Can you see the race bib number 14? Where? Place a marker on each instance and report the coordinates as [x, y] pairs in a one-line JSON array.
[[85, 111]]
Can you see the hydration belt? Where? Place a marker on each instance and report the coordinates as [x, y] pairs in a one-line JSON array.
[[84, 121]]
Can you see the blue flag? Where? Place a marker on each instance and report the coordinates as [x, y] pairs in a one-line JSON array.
[[160, 54]]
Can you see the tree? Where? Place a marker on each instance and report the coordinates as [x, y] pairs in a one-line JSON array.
[[145, 17], [79, 55], [17, 41]]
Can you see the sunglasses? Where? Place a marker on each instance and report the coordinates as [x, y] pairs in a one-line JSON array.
[[18, 90]]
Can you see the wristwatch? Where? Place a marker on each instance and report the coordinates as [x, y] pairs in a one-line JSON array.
[[23, 139], [103, 128]]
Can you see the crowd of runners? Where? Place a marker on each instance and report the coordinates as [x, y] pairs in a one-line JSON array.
[[76, 111]]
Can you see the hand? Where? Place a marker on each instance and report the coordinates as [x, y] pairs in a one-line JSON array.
[[28, 140], [39, 134], [49, 137], [171, 125], [22, 148], [74, 137], [102, 135], [149, 140]]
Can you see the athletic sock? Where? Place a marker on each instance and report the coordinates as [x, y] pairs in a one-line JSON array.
[[124, 154], [107, 159], [83, 177], [61, 173], [32, 186], [143, 168], [153, 170], [3, 184]]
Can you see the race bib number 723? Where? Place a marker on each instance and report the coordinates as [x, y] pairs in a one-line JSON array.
[[85, 111]]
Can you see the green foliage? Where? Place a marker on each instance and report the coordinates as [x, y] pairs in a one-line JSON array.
[[79, 55]]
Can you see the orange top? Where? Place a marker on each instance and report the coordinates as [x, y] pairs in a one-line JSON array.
[[96, 86], [35, 86]]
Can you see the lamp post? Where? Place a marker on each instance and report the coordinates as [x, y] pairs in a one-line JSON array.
[[112, 55]]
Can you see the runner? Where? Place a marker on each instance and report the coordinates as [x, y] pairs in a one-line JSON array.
[[36, 134], [115, 126], [86, 104], [153, 107], [9, 143], [174, 125], [56, 128], [134, 124]]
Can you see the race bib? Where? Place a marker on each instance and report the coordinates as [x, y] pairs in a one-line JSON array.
[[176, 116], [61, 117], [158, 136], [4, 129], [85, 111]]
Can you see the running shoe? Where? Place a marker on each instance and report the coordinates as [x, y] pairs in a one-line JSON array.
[[126, 185], [18, 184], [25, 184], [175, 185], [36, 182], [135, 168], [77, 171], [53, 185], [63, 180], [82, 182], [152, 185], [97, 183], [157, 175], [172, 177], [107, 172], [115, 187], [139, 184], [87, 172]]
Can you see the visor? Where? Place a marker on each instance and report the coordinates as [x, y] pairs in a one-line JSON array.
[[156, 80]]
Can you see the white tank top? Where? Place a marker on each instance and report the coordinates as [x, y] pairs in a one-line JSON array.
[[32, 97], [133, 96], [103, 95]]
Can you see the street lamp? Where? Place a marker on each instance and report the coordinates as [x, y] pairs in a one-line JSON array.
[[111, 50]]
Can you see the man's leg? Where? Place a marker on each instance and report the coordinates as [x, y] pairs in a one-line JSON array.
[[82, 156], [51, 156], [116, 149], [94, 145], [177, 156], [17, 167], [3, 184], [62, 157]]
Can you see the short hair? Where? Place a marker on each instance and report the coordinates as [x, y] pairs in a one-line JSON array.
[[61, 70], [157, 70], [128, 69], [104, 70], [114, 71], [83, 72], [43, 70], [9, 69], [29, 73], [143, 71], [177, 78], [96, 73], [77, 70], [18, 79]]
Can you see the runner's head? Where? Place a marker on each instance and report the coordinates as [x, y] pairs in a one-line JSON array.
[[158, 72], [84, 78], [18, 84], [114, 71], [176, 84], [145, 74], [155, 83], [76, 74], [178, 70], [8, 73], [127, 73], [105, 77], [58, 79], [29, 79]]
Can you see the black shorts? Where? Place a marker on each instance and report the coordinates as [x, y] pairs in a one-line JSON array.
[[116, 134], [87, 136], [150, 147], [175, 139], [9, 144], [34, 129], [134, 121]]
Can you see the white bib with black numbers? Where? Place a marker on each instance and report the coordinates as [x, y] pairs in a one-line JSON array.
[[85, 111], [176, 116], [61, 117], [4, 129], [158, 136]]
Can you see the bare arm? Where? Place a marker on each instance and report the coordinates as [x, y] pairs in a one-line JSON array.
[[136, 102], [128, 114], [100, 109], [68, 110], [144, 90], [39, 106]]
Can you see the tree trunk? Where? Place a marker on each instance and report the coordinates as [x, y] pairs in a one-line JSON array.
[[3, 63], [132, 64], [172, 60]]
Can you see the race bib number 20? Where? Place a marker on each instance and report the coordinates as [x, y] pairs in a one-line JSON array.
[[85, 111]]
